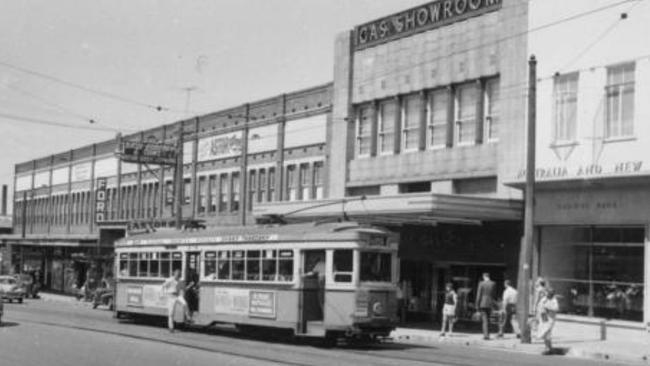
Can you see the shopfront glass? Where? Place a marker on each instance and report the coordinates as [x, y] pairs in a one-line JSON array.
[[595, 271]]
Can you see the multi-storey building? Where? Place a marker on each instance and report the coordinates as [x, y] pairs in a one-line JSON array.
[[592, 166], [269, 150], [426, 118]]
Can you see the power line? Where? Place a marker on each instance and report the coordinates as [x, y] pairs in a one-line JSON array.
[[55, 123], [52, 104]]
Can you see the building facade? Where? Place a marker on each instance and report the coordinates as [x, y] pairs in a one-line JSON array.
[[425, 121], [592, 166], [269, 150]]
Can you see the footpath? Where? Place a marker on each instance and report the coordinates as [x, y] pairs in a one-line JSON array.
[[623, 343]]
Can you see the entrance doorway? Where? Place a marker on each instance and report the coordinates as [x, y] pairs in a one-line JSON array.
[[313, 287], [192, 270]]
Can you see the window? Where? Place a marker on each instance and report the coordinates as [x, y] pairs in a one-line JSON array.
[[565, 96], [342, 265], [271, 184], [305, 187], [291, 182], [187, 191], [143, 265], [491, 113], [123, 265], [155, 199], [269, 265], [252, 188], [177, 261], [475, 185], [212, 183], [364, 126], [223, 265], [318, 180], [253, 265], [165, 264], [375, 266], [223, 192], [238, 265], [234, 197], [411, 122], [619, 101], [285, 265], [466, 101], [437, 118], [133, 265], [262, 178], [210, 265], [203, 195], [169, 193], [386, 126]]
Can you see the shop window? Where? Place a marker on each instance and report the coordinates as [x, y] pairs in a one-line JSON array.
[[253, 265], [466, 101], [619, 101], [437, 118], [291, 183], [305, 187], [285, 265], [203, 195], [318, 180], [375, 267], [238, 265], [212, 184], [492, 102], [269, 265], [223, 192], [386, 126], [342, 265], [234, 189], [411, 122], [596, 271], [223, 265], [363, 131]]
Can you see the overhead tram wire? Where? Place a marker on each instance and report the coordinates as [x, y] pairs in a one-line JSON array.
[[7, 116]]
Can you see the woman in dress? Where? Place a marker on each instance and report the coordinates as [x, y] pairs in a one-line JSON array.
[[449, 309], [546, 312]]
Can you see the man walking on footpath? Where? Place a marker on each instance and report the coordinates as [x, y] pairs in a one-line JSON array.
[[509, 305], [485, 302], [174, 288]]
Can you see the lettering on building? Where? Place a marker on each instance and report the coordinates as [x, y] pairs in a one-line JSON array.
[[585, 171], [425, 17], [100, 200]]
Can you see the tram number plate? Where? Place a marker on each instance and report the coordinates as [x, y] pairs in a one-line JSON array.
[[262, 304], [134, 296]]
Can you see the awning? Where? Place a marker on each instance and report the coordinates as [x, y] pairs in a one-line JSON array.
[[54, 240], [414, 208]]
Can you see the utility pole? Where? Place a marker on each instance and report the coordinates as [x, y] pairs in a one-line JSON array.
[[178, 178], [525, 255]]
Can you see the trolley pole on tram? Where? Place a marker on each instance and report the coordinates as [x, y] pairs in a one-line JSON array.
[[525, 255], [178, 180]]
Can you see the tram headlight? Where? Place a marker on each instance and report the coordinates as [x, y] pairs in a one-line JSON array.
[[378, 308]]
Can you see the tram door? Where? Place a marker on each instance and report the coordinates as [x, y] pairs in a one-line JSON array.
[[192, 270], [313, 288]]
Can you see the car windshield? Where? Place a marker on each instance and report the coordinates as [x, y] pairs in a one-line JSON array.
[[376, 266]]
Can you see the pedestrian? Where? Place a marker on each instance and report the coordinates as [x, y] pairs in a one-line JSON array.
[[547, 310], [174, 288], [485, 302], [539, 294], [509, 308], [449, 309]]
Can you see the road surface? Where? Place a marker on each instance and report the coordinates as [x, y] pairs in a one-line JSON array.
[[62, 333]]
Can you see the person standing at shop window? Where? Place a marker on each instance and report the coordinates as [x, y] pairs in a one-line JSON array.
[[174, 288], [485, 302], [449, 309]]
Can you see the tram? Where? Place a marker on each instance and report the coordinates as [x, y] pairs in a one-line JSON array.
[[332, 280]]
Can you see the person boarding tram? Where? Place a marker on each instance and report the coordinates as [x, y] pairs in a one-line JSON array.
[[174, 289]]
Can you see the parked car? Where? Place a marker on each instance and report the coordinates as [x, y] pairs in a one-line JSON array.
[[26, 282], [10, 289]]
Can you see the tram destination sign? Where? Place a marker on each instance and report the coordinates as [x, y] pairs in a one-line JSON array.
[[147, 152], [419, 19]]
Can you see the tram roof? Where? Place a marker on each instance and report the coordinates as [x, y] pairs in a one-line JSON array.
[[259, 233]]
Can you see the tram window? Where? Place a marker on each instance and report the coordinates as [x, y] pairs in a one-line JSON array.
[[164, 265], [224, 265], [253, 265], [177, 261], [269, 265], [143, 265], [343, 265], [238, 265], [210, 265], [285, 265], [376, 266], [124, 264], [154, 265], [133, 264]]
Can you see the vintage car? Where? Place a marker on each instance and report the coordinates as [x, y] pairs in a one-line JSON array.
[[10, 289]]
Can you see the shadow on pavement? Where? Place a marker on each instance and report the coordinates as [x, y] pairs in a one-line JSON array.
[[8, 324]]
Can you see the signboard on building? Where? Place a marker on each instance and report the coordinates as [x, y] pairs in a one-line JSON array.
[[81, 172], [220, 146], [100, 200], [147, 152], [424, 17]]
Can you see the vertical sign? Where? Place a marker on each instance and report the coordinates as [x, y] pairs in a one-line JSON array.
[[100, 200]]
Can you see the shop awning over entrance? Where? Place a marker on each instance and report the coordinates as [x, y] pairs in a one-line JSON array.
[[73, 240], [416, 208]]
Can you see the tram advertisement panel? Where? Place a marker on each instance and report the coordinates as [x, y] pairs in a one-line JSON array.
[[134, 296], [153, 296], [262, 304]]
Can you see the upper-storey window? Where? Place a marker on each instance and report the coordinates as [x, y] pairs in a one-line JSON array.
[[466, 101], [291, 183], [305, 188], [223, 192], [411, 122], [619, 101], [386, 126], [318, 180], [364, 137], [565, 95], [234, 197], [437, 117], [203, 195], [492, 97], [262, 178]]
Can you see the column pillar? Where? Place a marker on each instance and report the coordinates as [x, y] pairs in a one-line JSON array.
[[195, 184], [398, 125], [480, 110], [68, 210], [451, 118], [422, 140], [646, 278]]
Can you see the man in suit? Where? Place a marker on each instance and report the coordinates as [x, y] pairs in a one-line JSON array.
[[485, 302]]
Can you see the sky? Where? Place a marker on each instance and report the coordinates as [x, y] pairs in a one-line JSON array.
[[61, 58]]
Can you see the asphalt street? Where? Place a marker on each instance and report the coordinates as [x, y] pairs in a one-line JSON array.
[[58, 333]]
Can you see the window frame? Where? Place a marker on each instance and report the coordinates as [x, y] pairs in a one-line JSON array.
[[363, 137], [626, 70], [459, 119], [492, 87], [432, 97], [382, 133], [406, 130]]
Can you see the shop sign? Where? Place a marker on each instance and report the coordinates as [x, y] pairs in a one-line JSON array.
[[262, 304], [134, 296], [220, 146], [81, 172], [424, 17], [100, 200], [147, 152], [231, 301], [585, 171], [206, 239]]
